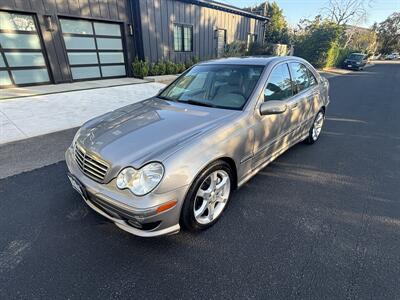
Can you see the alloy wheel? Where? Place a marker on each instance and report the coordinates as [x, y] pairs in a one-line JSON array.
[[211, 197], [317, 126]]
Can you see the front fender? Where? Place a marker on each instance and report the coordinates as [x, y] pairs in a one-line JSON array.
[[234, 141]]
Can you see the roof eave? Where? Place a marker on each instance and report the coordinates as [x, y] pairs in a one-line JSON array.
[[227, 8]]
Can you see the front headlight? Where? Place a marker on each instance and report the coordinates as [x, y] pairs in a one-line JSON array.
[[142, 181]]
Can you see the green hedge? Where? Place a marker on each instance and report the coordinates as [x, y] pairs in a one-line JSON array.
[[336, 55], [142, 68]]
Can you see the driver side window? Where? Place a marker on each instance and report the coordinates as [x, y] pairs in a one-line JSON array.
[[279, 85]]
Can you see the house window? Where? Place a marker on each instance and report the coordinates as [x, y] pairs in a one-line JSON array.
[[183, 38]]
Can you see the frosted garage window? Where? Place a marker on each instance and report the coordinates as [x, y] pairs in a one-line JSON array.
[[12, 21], [19, 41], [85, 72], [4, 78], [83, 43], [109, 44], [2, 63], [111, 57], [76, 26], [109, 71], [107, 29], [82, 58], [30, 76], [27, 59]]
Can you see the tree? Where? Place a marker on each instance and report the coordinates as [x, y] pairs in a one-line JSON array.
[[362, 39], [316, 38], [276, 31], [343, 12], [389, 34]]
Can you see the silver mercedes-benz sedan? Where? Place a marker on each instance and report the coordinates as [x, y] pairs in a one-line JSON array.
[[174, 160]]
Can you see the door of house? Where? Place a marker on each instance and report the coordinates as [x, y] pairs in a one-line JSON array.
[[221, 41]]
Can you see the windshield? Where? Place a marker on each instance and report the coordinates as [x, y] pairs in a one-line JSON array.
[[222, 86], [356, 56]]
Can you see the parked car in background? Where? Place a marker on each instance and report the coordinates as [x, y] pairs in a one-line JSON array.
[[393, 56], [174, 160], [355, 61]]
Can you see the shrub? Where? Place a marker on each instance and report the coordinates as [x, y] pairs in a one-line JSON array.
[[236, 48], [188, 64], [195, 60], [140, 68], [161, 68], [154, 69], [336, 55], [170, 68], [259, 49], [180, 68]]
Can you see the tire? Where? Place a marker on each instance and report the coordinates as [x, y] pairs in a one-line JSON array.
[[314, 134], [195, 203]]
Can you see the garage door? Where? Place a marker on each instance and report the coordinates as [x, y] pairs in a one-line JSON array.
[[94, 49], [21, 54]]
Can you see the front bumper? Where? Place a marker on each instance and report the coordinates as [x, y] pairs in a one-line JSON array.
[[136, 215]]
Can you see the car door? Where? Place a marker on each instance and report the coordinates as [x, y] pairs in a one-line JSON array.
[[271, 130], [303, 101]]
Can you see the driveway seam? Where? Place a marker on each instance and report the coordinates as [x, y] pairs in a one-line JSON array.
[[15, 125]]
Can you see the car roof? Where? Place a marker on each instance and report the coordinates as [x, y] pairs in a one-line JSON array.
[[247, 60]]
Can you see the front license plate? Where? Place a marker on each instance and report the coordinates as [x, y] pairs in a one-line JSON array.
[[349, 66]]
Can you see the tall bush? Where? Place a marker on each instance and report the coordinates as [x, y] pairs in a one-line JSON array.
[[317, 39], [337, 54]]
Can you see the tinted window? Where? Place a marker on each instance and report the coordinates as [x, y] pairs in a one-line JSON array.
[[279, 86], [313, 80], [299, 76]]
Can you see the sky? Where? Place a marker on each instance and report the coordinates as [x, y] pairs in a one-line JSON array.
[[294, 10]]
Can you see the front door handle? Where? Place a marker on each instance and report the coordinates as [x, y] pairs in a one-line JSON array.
[[294, 106]]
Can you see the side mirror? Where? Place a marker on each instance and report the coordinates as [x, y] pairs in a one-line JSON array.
[[272, 108]]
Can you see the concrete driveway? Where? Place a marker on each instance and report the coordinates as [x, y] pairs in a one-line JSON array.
[[22, 118]]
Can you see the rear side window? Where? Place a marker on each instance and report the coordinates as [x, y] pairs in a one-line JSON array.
[[299, 76], [313, 80], [279, 86]]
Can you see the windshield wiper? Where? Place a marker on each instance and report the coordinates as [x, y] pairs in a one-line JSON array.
[[200, 103], [165, 98]]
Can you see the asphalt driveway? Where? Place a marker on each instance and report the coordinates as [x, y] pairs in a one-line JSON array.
[[321, 222]]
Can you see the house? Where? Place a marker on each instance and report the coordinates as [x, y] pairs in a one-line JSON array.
[[58, 41]]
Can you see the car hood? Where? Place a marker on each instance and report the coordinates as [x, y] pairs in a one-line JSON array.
[[150, 130]]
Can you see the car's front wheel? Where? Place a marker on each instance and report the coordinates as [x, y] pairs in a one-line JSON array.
[[316, 128], [207, 197]]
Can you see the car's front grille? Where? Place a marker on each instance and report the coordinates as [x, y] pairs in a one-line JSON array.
[[90, 165]]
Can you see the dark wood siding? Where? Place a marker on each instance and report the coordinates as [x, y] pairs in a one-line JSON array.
[[159, 16], [107, 10]]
